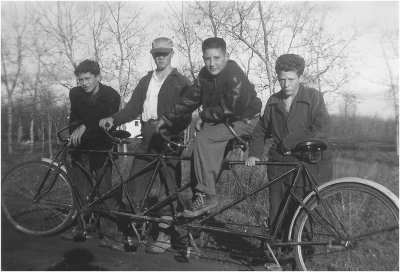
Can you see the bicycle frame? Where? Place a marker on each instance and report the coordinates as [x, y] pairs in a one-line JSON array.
[[299, 168], [157, 163]]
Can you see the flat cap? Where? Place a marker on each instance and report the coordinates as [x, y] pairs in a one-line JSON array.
[[161, 45]]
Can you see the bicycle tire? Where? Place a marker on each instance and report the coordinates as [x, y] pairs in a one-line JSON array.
[[367, 217], [50, 214]]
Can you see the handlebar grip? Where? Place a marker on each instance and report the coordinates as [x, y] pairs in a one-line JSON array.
[[58, 133]]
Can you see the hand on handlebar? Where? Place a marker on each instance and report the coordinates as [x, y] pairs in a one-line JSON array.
[[77, 135], [106, 123], [159, 125], [251, 161]]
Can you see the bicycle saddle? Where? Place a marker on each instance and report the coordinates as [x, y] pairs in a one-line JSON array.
[[312, 145], [245, 138], [235, 143], [121, 134]]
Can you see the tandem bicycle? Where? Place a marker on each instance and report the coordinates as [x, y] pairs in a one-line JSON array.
[[344, 224]]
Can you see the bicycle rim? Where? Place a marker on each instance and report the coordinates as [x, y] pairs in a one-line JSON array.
[[51, 213], [363, 233]]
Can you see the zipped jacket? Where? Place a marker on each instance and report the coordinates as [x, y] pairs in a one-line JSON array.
[[226, 95]]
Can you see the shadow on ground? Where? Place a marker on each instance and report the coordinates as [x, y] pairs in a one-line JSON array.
[[77, 259]]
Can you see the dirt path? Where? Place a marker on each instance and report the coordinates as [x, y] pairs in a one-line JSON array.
[[23, 252]]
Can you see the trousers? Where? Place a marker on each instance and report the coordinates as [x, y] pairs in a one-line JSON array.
[[279, 190], [208, 151], [152, 144], [109, 226]]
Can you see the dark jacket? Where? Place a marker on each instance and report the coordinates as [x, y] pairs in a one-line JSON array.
[[173, 87], [84, 112], [228, 94], [308, 119]]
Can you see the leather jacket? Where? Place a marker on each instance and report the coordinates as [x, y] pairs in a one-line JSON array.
[[226, 95]]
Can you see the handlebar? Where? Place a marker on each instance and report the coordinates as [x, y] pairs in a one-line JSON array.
[[66, 139], [119, 136]]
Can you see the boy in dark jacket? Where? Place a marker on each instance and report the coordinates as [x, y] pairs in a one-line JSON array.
[[294, 114], [154, 95], [91, 101], [224, 91]]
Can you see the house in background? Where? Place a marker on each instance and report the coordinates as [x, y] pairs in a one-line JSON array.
[[134, 127]]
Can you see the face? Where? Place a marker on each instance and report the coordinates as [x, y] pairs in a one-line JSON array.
[[88, 81], [215, 60], [289, 82], [163, 60]]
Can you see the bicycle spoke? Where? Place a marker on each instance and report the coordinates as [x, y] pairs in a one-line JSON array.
[[370, 231], [47, 214]]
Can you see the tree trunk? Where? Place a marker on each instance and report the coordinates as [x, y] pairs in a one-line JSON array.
[[397, 134], [49, 133], [31, 132], [19, 138], [55, 124], [42, 126], [266, 51], [10, 124]]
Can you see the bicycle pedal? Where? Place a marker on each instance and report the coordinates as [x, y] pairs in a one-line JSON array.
[[80, 236]]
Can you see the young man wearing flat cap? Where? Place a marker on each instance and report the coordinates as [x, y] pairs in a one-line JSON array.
[[154, 95]]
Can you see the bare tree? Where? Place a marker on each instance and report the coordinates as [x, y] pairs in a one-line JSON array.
[[38, 51], [96, 18], [188, 41], [390, 50], [63, 24], [12, 54], [129, 36]]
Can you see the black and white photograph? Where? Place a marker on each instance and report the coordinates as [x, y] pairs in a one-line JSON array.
[[199, 135]]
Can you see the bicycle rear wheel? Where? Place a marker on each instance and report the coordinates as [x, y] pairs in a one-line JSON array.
[[361, 231], [54, 208]]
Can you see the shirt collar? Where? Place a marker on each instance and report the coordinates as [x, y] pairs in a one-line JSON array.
[[301, 96]]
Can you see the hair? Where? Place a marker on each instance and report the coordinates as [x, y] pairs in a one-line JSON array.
[[290, 62], [213, 42], [88, 66]]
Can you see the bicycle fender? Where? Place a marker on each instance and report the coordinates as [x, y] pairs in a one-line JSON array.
[[55, 163], [370, 183]]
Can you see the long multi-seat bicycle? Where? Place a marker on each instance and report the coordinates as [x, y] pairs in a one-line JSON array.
[[345, 224]]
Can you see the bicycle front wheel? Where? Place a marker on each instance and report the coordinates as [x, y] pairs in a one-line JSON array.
[[37, 199], [354, 226]]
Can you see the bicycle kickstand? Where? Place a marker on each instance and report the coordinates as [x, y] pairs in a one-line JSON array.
[[191, 244], [272, 266]]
